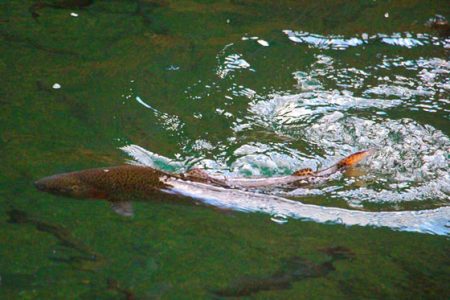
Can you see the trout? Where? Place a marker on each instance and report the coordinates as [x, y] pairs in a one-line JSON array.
[[122, 184]]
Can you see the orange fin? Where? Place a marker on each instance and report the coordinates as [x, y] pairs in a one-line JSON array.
[[349, 161], [303, 172], [353, 159]]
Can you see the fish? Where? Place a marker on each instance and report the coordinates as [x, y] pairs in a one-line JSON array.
[[143, 181], [120, 185]]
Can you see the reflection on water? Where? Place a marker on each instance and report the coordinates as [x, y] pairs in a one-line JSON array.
[[231, 63], [406, 39], [240, 88]]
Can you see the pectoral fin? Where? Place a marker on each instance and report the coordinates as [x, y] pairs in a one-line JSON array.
[[123, 208]]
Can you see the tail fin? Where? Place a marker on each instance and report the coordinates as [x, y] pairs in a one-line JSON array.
[[349, 161], [354, 158]]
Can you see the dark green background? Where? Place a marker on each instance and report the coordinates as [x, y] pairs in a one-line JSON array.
[[176, 251]]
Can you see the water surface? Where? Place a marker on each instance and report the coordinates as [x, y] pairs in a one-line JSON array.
[[240, 88]]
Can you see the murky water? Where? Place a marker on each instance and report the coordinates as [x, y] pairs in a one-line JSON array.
[[239, 89]]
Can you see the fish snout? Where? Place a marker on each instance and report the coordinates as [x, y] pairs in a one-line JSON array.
[[67, 185], [38, 184], [51, 184]]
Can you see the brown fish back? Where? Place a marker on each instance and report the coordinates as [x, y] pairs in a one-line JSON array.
[[125, 179]]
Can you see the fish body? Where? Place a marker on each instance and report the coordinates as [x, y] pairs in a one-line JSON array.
[[144, 181], [118, 185], [111, 183]]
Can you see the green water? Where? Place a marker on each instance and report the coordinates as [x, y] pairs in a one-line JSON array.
[[172, 55]]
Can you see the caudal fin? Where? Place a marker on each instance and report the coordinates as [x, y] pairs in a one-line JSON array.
[[354, 158], [349, 161]]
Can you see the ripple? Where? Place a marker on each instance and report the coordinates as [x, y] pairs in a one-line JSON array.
[[336, 106], [323, 42], [339, 42], [258, 159], [144, 157], [295, 109], [231, 63], [169, 122]]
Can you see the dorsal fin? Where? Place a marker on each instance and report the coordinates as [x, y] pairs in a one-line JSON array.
[[197, 174], [200, 175], [303, 172]]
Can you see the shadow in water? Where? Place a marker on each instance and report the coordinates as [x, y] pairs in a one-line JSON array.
[[115, 286], [293, 269], [58, 4], [86, 259]]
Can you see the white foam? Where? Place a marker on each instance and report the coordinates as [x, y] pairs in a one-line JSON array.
[[144, 157], [294, 109], [434, 221]]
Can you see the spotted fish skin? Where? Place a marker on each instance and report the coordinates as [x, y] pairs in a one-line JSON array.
[[303, 172], [200, 175]]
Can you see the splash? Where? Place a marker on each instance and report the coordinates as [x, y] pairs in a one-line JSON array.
[[411, 161], [144, 157], [295, 109], [337, 105], [425, 221], [169, 122], [434, 221]]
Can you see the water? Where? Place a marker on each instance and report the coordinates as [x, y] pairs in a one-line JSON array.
[[240, 89]]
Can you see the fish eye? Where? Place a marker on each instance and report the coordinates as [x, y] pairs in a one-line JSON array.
[[75, 188]]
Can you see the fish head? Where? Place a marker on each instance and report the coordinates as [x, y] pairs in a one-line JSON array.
[[68, 185]]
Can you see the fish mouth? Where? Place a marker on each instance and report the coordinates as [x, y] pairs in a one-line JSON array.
[[44, 186]]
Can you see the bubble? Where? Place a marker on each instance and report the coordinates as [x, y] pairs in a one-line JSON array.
[[279, 219], [263, 43]]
